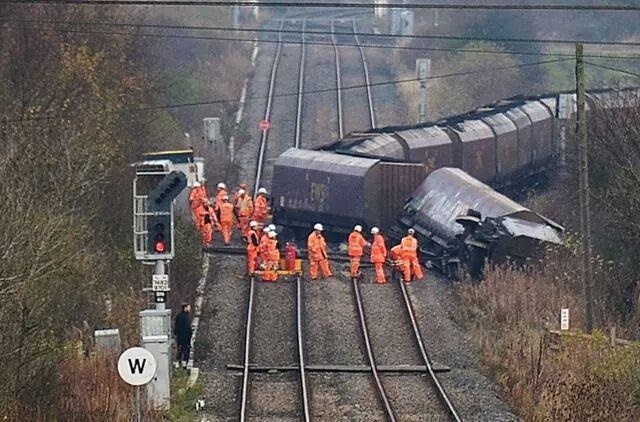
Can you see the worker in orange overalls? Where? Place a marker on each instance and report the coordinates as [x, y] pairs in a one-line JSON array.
[[219, 198], [208, 222], [226, 219], [409, 246], [378, 255], [197, 197], [398, 261], [273, 258], [252, 247], [317, 248], [262, 246], [244, 210], [261, 206], [355, 249]]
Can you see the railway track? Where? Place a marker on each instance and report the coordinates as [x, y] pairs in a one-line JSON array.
[[354, 106], [265, 150]]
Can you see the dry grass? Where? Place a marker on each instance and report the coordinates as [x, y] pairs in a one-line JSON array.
[[583, 378]]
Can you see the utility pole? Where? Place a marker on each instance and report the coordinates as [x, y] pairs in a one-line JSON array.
[[423, 72], [583, 169]]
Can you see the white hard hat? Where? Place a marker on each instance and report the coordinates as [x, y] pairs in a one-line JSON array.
[[375, 230], [358, 228], [225, 198], [318, 226], [262, 190], [222, 186], [253, 224], [266, 230], [411, 231], [272, 234], [241, 192], [197, 185], [272, 226]]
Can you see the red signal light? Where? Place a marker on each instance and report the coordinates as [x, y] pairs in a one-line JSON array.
[[160, 246]]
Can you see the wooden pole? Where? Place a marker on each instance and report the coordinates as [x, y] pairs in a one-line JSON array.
[[583, 169]]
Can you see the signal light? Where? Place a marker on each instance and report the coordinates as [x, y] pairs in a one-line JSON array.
[[160, 246]]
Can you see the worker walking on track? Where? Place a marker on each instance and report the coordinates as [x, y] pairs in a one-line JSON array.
[[355, 249], [317, 248], [208, 221], [219, 199], [244, 210], [409, 246], [273, 258], [252, 247], [197, 198], [378, 255], [226, 219], [261, 206]]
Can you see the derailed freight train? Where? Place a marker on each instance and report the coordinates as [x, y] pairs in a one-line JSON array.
[[462, 223]]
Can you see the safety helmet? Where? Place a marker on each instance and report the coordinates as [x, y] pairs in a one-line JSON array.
[[266, 230], [262, 190], [272, 234], [197, 185], [222, 186], [253, 224], [411, 231], [375, 230], [272, 226], [225, 198], [318, 227], [241, 192], [358, 228]]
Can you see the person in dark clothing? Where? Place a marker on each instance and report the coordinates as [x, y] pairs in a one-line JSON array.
[[182, 331]]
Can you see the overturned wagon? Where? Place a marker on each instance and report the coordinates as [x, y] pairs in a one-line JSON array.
[[340, 190], [496, 229]]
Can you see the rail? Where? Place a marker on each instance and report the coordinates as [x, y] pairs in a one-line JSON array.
[[301, 361], [303, 52], [442, 394], [267, 112], [365, 69], [247, 354], [338, 81], [372, 363]]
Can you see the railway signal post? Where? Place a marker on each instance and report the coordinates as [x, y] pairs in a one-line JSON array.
[[157, 184]]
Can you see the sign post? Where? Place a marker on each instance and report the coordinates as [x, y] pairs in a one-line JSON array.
[[265, 125], [137, 366]]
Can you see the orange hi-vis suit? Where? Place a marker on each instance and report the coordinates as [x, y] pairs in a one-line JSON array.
[[207, 227], [226, 221], [244, 209], [400, 263], [273, 259], [261, 208], [409, 246], [378, 257], [252, 250], [219, 199], [355, 249], [197, 198], [262, 247], [317, 248]]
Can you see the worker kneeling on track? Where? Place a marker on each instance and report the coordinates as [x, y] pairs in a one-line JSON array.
[[409, 245], [355, 249], [378, 255], [252, 247], [273, 258], [317, 247]]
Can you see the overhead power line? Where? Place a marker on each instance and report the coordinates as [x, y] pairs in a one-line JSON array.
[[338, 33], [349, 87], [614, 69], [315, 4]]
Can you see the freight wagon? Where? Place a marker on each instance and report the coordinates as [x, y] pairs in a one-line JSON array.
[[339, 191]]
